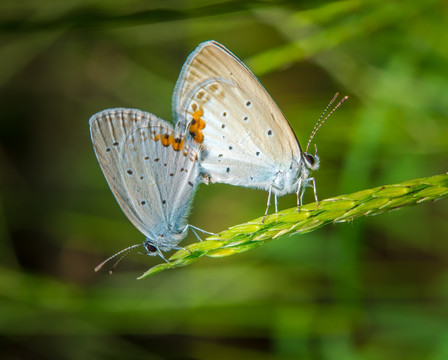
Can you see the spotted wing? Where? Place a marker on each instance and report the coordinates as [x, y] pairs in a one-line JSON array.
[[247, 139], [150, 169]]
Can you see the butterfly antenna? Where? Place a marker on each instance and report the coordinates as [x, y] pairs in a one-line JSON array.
[[123, 253], [322, 119], [112, 269]]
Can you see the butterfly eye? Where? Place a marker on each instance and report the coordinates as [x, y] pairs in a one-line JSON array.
[[309, 159], [150, 248]]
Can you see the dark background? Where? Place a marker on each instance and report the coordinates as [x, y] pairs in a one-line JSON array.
[[373, 289]]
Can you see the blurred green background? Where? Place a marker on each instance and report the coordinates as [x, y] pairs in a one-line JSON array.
[[374, 289]]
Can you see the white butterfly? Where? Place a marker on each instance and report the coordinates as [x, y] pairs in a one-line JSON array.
[[152, 172], [247, 140]]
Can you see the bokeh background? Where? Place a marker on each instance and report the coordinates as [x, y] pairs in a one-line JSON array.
[[373, 289]]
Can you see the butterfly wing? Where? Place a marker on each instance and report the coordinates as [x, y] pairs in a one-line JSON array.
[[247, 140], [151, 171]]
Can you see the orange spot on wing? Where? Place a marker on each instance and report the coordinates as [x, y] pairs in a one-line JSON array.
[[199, 138], [167, 139], [178, 144], [193, 126], [201, 124], [198, 114], [196, 125]]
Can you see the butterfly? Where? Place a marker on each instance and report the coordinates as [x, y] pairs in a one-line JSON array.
[[246, 139], [152, 171]]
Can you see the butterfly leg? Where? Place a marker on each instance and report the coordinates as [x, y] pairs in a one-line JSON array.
[[193, 228], [196, 234], [201, 230], [161, 255], [300, 192], [314, 189], [276, 203], [303, 184], [269, 203]]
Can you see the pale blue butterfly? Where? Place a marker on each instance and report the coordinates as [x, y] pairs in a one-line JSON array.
[[246, 139], [152, 172]]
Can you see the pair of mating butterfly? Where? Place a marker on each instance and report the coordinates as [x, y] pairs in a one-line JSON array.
[[228, 130]]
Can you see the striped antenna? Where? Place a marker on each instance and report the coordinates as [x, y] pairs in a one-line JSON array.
[[124, 252], [322, 119]]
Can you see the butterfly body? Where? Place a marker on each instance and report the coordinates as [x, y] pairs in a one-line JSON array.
[[152, 171], [246, 139]]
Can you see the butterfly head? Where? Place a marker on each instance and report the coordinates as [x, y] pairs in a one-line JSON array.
[[312, 162], [151, 250], [159, 243]]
